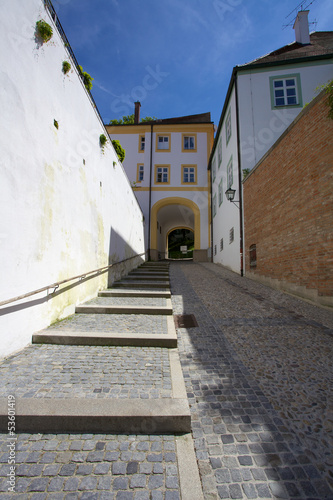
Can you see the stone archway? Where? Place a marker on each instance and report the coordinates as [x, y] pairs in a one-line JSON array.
[[169, 213]]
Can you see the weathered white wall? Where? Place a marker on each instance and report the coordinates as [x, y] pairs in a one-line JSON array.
[[227, 214], [66, 207]]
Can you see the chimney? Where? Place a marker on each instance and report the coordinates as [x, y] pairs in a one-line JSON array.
[[301, 27], [137, 112]]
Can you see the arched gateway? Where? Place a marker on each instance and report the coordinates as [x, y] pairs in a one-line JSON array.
[[171, 213]]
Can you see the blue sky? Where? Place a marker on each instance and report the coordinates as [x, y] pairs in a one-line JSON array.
[[175, 56]]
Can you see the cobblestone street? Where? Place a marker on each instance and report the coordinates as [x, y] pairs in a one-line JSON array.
[[259, 380], [259, 376]]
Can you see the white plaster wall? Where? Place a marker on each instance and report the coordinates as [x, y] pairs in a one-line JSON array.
[[227, 214], [260, 126], [59, 216]]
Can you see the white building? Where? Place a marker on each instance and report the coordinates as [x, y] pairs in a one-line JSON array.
[[67, 207], [166, 161], [263, 98]]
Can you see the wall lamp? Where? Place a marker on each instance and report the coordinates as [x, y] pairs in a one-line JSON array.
[[230, 194]]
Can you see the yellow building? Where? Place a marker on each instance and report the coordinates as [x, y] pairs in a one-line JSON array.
[[166, 162]]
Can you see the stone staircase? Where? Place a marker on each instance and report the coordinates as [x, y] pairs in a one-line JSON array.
[[113, 366]]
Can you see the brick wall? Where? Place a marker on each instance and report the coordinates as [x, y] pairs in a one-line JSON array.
[[288, 205]]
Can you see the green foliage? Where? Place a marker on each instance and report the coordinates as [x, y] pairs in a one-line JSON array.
[[246, 172], [87, 79], [65, 67], [102, 140], [44, 30], [129, 120], [148, 119], [56, 124], [119, 150]]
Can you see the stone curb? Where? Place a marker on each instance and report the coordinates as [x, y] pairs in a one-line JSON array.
[[70, 337], [189, 478], [81, 415]]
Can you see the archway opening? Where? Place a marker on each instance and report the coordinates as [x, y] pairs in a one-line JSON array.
[[180, 243], [169, 214]]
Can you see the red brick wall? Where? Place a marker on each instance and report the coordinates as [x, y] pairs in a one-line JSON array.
[[288, 204]]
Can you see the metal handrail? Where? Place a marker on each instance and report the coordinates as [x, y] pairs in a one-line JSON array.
[[56, 285]]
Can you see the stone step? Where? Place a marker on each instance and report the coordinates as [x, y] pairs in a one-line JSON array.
[[69, 337], [89, 416], [145, 277], [115, 329], [148, 272], [102, 309], [135, 293], [154, 267], [141, 284], [85, 389]]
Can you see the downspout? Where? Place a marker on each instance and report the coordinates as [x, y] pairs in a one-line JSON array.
[[211, 213], [150, 180], [241, 236]]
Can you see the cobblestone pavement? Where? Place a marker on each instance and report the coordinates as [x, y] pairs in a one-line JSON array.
[[128, 301], [115, 323], [259, 376], [92, 467], [60, 371]]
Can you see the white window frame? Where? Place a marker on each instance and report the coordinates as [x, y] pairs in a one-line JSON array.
[[230, 173], [220, 192], [283, 85], [163, 142], [162, 174], [140, 172], [189, 143]]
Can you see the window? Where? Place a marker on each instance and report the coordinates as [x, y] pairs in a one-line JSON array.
[[230, 173], [221, 244], [189, 174], [253, 256], [140, 172], [286, 91], [189, 142], [228, 127], [162, 174], [163, 142], [214, 169], [220, 152], [220, 193], [231, 235], [142, 143], [214, 205]]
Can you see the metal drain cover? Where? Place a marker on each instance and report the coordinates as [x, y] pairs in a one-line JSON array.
[[185, 320]]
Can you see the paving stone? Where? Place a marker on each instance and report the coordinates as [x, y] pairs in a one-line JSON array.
[[237, 365]]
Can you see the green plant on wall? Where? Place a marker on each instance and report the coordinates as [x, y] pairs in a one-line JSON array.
[[246, 172], [65, 67], [102, 141], [119, 150], [44, 30], [87, 79]]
